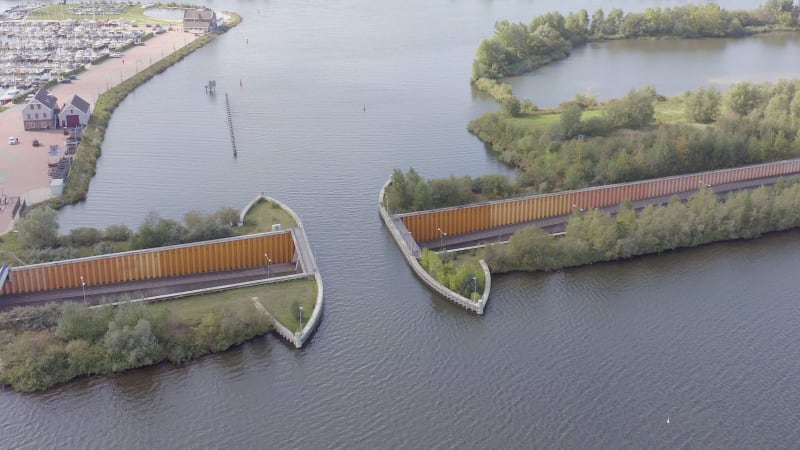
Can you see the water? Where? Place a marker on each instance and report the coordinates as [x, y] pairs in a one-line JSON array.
[[596, 357]]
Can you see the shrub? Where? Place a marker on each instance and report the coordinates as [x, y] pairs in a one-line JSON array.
[[117, 233], [84, 236]]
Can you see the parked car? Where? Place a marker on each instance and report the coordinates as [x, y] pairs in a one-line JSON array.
[[13, 141], [35, 142]]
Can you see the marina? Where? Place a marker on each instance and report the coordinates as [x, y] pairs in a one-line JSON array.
[[35, 52]]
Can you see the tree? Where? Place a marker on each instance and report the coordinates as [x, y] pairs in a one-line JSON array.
[[703, 105], [570, 121], [129, 347], [39, 229], [743, 97], [85, 236], [635, 110]]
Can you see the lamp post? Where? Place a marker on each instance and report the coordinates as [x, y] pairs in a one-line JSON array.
[[442, 234], [301, 318], [269, 261], [474, 283], [83, 287]]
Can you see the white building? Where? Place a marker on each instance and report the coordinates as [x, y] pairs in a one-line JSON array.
[[75, 114], [40, 112]]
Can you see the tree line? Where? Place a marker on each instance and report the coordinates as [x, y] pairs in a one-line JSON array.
[[596, 236], [40, 241], [516, 48], [44, 346], [748, 124], [410, 192]]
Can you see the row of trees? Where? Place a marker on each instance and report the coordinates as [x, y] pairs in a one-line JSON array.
[[516, 48], [596, 236], [748, 124], [40, 242], [87, 341], [410, 192]]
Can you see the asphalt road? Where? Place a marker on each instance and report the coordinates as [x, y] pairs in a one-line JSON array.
[[147, 288], [557, 224]]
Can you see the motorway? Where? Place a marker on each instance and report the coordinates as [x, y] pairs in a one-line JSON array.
[[108, 293], [557, 224]]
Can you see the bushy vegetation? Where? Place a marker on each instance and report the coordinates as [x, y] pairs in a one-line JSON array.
[[516, 48], [39, 240], [748, 124], [409, 192], [595, 236], [86, 341], [465, 279]]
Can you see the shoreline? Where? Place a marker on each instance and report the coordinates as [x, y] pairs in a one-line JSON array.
[[23, 168]]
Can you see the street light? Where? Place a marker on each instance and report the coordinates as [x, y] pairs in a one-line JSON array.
[[474, 283], [269, 261], [83, 287], [442, 234], [301, 317]]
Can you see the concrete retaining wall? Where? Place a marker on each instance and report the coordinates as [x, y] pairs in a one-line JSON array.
[[476, 307], [309, 270]]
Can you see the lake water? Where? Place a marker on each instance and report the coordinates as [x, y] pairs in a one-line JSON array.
[[329, 97]]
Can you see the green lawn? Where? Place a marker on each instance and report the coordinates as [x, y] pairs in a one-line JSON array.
[[262, 216], [280, 299], [546, 118], [61, 12], [672, 110]]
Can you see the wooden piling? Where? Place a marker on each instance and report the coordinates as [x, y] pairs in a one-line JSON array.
[[230, 123]]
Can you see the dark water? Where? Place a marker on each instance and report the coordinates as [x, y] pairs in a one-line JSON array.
[[597, 357]]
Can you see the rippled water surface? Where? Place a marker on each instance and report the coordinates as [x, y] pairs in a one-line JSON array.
[[328, 97]]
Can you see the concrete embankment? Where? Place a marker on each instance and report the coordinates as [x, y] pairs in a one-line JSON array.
[[305, 258], [410, 250]]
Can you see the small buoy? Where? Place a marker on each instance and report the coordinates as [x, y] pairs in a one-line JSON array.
[[240, 83], [365, 107], [667, 419]]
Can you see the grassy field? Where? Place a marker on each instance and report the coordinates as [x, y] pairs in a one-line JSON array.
[[61, 12], [546, 118], [672, 110], [282, 300], [262, 216]]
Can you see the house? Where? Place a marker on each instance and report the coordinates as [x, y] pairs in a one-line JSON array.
[[41, 112], [75, 114], [200, 20]]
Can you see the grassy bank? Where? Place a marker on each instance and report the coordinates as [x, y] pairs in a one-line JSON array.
[[47, 345], [262, 216], [83, 169]]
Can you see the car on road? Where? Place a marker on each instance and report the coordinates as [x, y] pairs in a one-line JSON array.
[[116, 55], [35, 142], [13, 141]]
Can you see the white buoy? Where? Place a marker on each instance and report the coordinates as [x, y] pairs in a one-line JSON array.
[[667, 419]]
